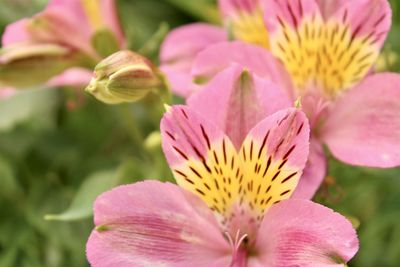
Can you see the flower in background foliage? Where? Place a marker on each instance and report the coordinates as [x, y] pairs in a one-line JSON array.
[[232, 205], [328, 51], [59, 45], [243, 20]]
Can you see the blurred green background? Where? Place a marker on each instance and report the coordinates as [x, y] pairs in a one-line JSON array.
[[60, 148]]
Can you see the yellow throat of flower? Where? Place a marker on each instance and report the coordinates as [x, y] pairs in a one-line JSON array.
[[249, 27], [93, 13], [324, 55]]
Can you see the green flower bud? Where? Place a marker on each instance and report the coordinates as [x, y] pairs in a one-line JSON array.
[[124, 77], [27, 65]]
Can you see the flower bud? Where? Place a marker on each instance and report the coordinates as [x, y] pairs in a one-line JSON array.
[[124, 77], [27, 65]]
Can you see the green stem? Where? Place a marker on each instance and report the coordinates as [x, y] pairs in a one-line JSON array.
[[128, 121]]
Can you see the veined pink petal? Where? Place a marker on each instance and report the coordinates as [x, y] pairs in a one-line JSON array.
[[181, 47], [314, 172], [272, 158], [76, 77], [288, 12], [155, 224], [236, 100], [255, 58], [187, 135], [370, 19], [302, 233], [203, 160], [284, 136], [15, 33], [364, 125]]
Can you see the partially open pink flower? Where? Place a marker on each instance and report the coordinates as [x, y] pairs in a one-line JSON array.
[[243, 20], [231, 208], [328, 52], [67, 34]]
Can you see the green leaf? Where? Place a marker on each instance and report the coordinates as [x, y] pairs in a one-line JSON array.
[[152, 46], [8, 181], [81, 206], [26, 105]]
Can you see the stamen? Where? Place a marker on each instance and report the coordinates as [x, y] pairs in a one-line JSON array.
[[235, 244]]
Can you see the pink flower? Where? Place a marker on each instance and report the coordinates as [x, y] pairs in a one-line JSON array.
[[328, 52], [242, 18], [62, 43], [232, 205]]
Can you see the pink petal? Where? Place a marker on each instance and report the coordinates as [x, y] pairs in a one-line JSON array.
[[255, 58], [187, 135], [364, 125], [111, 19], [15, 33], [329, 7], [272, 157], [233, 7], [236, 100], [314, 172], [63, 27], [76, 77], [285, 136], [108, 11], [366, 18], [181, 47], [302, 233], [287, 11], [154, 224]]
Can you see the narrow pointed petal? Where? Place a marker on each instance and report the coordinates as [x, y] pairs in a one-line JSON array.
[[273, 156], [154, 224], [256, 59], [245, 20], [302, 233], [181, 47], [314, 172], [236, 100], [364, 125], [203, 159], [331, 53]]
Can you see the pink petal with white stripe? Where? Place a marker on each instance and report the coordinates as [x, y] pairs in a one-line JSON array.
[[236, 100]]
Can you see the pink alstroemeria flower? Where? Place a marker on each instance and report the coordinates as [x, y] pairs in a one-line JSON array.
[[351, 110], [243, 20], [60, 45], [232, 206], [226, 214]]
